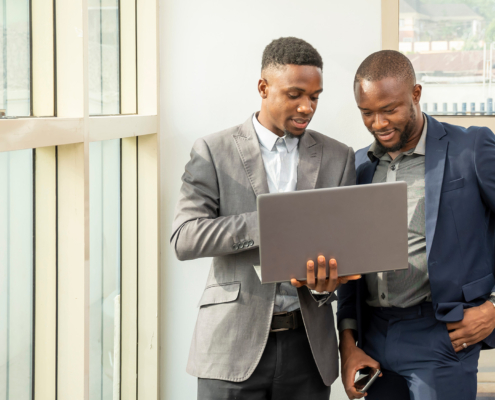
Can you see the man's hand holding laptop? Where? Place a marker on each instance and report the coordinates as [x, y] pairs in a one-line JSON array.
[[319, 281]]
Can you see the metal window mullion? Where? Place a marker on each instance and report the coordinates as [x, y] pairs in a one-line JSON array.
[[43, 58], [148, 277], [72, 344], [147, 57], [70, 51], [390, 24], [45, 274], [129, 277], [128, 57]]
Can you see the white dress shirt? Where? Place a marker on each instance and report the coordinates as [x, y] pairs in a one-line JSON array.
[[280, 157]]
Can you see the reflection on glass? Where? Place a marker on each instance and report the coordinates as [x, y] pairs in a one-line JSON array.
[[15, 58], [451, 45], [104, 378], [104, 59], [16, 274]]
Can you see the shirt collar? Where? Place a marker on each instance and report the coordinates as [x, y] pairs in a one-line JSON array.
[[421, 146], [420, 149], [268, 139]]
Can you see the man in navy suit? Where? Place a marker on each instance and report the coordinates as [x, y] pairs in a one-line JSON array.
[[424, 326]]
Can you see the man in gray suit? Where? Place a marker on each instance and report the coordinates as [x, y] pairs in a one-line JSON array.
[[253, 341]]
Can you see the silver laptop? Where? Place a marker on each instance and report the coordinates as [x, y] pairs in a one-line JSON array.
[[363, 227]]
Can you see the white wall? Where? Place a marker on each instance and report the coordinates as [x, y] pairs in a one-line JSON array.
[[210, 64]]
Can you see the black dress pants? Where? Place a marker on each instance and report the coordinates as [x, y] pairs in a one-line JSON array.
[[286, 371]]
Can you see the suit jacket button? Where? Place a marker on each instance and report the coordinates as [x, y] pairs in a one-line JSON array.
[[235, 246], [250, 243]]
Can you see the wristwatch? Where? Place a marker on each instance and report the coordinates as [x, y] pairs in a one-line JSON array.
[[492, 298]]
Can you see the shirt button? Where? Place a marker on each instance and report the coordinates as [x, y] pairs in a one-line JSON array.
[[392, 167], [383, 296]]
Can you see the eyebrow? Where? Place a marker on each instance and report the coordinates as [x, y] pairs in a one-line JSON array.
[[302, 90], [381, 108]]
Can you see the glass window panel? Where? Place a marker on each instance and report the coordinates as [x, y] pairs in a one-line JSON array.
[[15, 58], [451, 44], [16, 275], [105, 269], [104, 57]]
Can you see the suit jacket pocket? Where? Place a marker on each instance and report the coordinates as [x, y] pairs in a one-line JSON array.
[[221, 293], [478, 288], [452, 185]]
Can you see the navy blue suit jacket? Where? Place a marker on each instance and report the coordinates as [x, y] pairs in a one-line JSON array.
[[460, 224]]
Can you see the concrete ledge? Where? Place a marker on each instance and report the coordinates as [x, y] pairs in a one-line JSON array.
[[486, 377], [486, 389]]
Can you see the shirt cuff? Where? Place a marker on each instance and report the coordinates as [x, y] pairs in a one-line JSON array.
[[319, 293], [347, 323], [322, 298]]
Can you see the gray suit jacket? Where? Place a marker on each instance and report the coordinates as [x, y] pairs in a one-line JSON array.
[[217, 209]]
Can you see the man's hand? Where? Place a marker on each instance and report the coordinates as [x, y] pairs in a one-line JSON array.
[[320, 283], [478, 323], [353, 359]]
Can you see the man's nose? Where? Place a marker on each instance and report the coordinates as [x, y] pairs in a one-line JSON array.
[[379, 123], [305, 107]]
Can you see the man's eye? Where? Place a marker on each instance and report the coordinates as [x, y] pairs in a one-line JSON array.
[[390, 111], [315, 98], [366, 114], [293, 96]]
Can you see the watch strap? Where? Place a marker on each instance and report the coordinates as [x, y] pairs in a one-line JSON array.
[[492, 298]]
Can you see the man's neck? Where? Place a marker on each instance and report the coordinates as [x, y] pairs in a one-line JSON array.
[[263, 120]]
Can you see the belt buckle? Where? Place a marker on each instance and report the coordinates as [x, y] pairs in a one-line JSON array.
[[281, 329]]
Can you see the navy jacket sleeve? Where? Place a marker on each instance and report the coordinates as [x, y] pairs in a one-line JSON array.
[[484, 161], [347, 294], [347, 299]]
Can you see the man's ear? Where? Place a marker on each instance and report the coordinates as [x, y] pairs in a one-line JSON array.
[[263, 88], [417, 90]]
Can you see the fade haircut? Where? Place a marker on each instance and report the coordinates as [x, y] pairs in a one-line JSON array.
[[386, 64], [290, 50]]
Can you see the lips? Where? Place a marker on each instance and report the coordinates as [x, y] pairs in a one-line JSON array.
[[387, 135], [300, 123]]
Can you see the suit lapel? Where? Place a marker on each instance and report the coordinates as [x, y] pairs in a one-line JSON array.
[[367, 172], [310, 154], [249, 150], [436, 152]]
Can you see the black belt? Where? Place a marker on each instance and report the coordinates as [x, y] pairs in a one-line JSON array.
[[287, 320]]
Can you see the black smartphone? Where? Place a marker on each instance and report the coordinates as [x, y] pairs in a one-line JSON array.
[[366, 378]]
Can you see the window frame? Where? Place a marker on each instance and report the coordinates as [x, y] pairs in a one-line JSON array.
[[390, 41], [62, 172]]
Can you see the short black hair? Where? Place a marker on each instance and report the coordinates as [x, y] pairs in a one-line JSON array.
[[386, 64], [290, 50]]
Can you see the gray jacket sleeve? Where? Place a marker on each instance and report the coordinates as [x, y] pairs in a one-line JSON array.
[[198, 230], [349, 175]]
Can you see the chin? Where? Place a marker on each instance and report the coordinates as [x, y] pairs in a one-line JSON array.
[[391, 146], [294, 132]]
